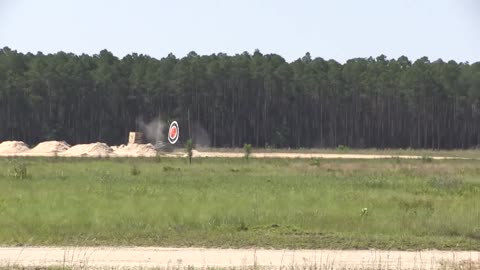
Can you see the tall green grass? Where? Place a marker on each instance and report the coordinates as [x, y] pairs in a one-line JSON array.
[[233, 203]]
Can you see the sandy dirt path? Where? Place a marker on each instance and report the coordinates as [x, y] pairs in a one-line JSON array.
[[233, 155], [309, 155], [138, 257]]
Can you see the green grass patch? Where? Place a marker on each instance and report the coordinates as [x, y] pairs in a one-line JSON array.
[[278, 203]]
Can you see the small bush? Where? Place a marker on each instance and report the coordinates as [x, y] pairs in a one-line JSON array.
[[416, 205], [19, 170], [475, 234], [315, 162], [427, 159], [342, 147], [170, 169], [104, 176], [446, 183], [61, 175], [396, 159], [158, 157], [135, 171], [247, 148], [189, 150], [242, 227]]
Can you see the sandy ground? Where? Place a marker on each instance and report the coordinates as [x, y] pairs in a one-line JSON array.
[[98, 149], [96, 257], [307, 155]]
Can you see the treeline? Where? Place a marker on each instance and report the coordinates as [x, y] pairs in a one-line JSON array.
[[246, 98]]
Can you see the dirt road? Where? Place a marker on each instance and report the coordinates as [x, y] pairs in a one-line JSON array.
[[308, 155], [141, 257]]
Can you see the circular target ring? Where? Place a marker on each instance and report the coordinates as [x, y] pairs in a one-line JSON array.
[[173, 132]]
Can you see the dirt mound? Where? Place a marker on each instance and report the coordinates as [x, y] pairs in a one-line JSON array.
[[115, 147], [50, 147], [136, 150], [13, 147], [92, 149]]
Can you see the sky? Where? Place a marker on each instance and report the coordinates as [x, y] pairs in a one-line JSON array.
[[333, 29]]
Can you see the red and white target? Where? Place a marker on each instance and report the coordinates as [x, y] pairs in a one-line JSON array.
[[173, 132]]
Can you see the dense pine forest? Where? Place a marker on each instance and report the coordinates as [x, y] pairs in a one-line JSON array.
[[246, 98]]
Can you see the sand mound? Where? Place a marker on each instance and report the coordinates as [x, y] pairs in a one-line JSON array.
[[136, 150], [92, 149], [13, 147], [115, 147], [50, 147]]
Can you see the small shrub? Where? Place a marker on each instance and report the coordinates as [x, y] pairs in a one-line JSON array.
[[135, 171], [315, 162], [189, 149], [446, 183], [170, 169], [104, 176], [247, 148], [19, 170], [342, 147], [427, 159], [61, 175], [374, 182], [475, 234], [242, 227], [158, 157], [416, 205], [364, 212]]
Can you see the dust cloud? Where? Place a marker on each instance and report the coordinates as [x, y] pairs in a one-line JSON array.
[[200, 136], [153, 130]]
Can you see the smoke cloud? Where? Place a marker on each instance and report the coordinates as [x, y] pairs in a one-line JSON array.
[[154, 130], [200, 136]]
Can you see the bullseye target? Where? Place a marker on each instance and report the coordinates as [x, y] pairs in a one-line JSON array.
[[173, 132]]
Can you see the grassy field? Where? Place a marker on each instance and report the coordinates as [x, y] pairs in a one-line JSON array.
[[281, 203]]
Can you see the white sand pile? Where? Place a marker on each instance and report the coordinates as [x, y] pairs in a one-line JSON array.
[[115, 148], [136, 150], [92, 149], [50, 147], [13, 147]]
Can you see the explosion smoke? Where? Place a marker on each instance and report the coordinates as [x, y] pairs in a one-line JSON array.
[[153, 130]]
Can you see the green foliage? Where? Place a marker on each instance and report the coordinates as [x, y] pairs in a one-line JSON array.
[[281, 203], [427, 159], [247, 149], [447, 183], [170, 169], [315, 162], [342, 147], [134, 170], [158, 157], [19, 170], [364, 212], [364, 102], [104, 176], [189, 150]]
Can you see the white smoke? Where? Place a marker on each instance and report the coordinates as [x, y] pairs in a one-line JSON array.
[[154, 130], [200, 136]]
